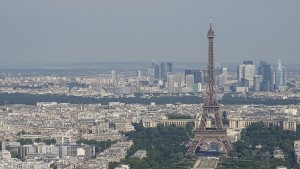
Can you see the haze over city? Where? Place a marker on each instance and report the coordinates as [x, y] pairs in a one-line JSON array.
[[43, 32], [149, 84]]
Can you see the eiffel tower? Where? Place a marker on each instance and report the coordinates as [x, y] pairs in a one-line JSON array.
[[210, 106]]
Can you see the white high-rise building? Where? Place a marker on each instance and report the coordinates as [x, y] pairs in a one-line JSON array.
[[138, 80], [139, 75], [151, 76], [222, 78], [197, 87], [171, 83], [189, 81], [224, 72], [113, 77], [179, 79], [240, 72], [280, 75], [249, 72], [246, 73]]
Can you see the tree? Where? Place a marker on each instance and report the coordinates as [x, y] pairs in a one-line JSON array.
[[270, 138], [178, 116], [190, 126], [99, 145], [49, 141], [112, 165], [53, 165], [25, 141], [14, 154], [38, 140], [164, 145]]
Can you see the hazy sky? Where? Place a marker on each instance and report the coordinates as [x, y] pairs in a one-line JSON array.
[[53, 31]]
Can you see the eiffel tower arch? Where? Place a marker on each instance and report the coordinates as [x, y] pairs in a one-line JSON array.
[[216, 136], [217, 133]]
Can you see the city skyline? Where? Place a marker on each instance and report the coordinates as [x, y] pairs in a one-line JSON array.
[[36, 32], [129, 118]]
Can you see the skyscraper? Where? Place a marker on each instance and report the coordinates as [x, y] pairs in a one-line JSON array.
[[138, 80], [196, 73], [166, 68], [246, 73], [189, 81], [170, 83], [257, 82], [248, 62], [260, 68], [240, 70], [139, 75], [179, 79], [222, 78], [280, 75], [224, 71], [265, 70], [151, 76], [113, 77], [155, 65]]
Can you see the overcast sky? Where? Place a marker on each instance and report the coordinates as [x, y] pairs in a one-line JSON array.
[[54, 31]]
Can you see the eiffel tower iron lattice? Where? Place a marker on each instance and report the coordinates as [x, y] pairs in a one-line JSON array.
[[218, 133]]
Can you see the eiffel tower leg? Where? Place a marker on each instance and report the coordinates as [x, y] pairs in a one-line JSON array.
[[219, 122], [192, 148], [227, 145]]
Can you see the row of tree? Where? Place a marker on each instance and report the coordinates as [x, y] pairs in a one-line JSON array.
[[99, 145], [27, 141], [229, 99], [179, 116], [32, 99]]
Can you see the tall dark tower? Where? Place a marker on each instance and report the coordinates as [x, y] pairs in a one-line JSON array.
[[202, 133], [210, 89], [210, 102]]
